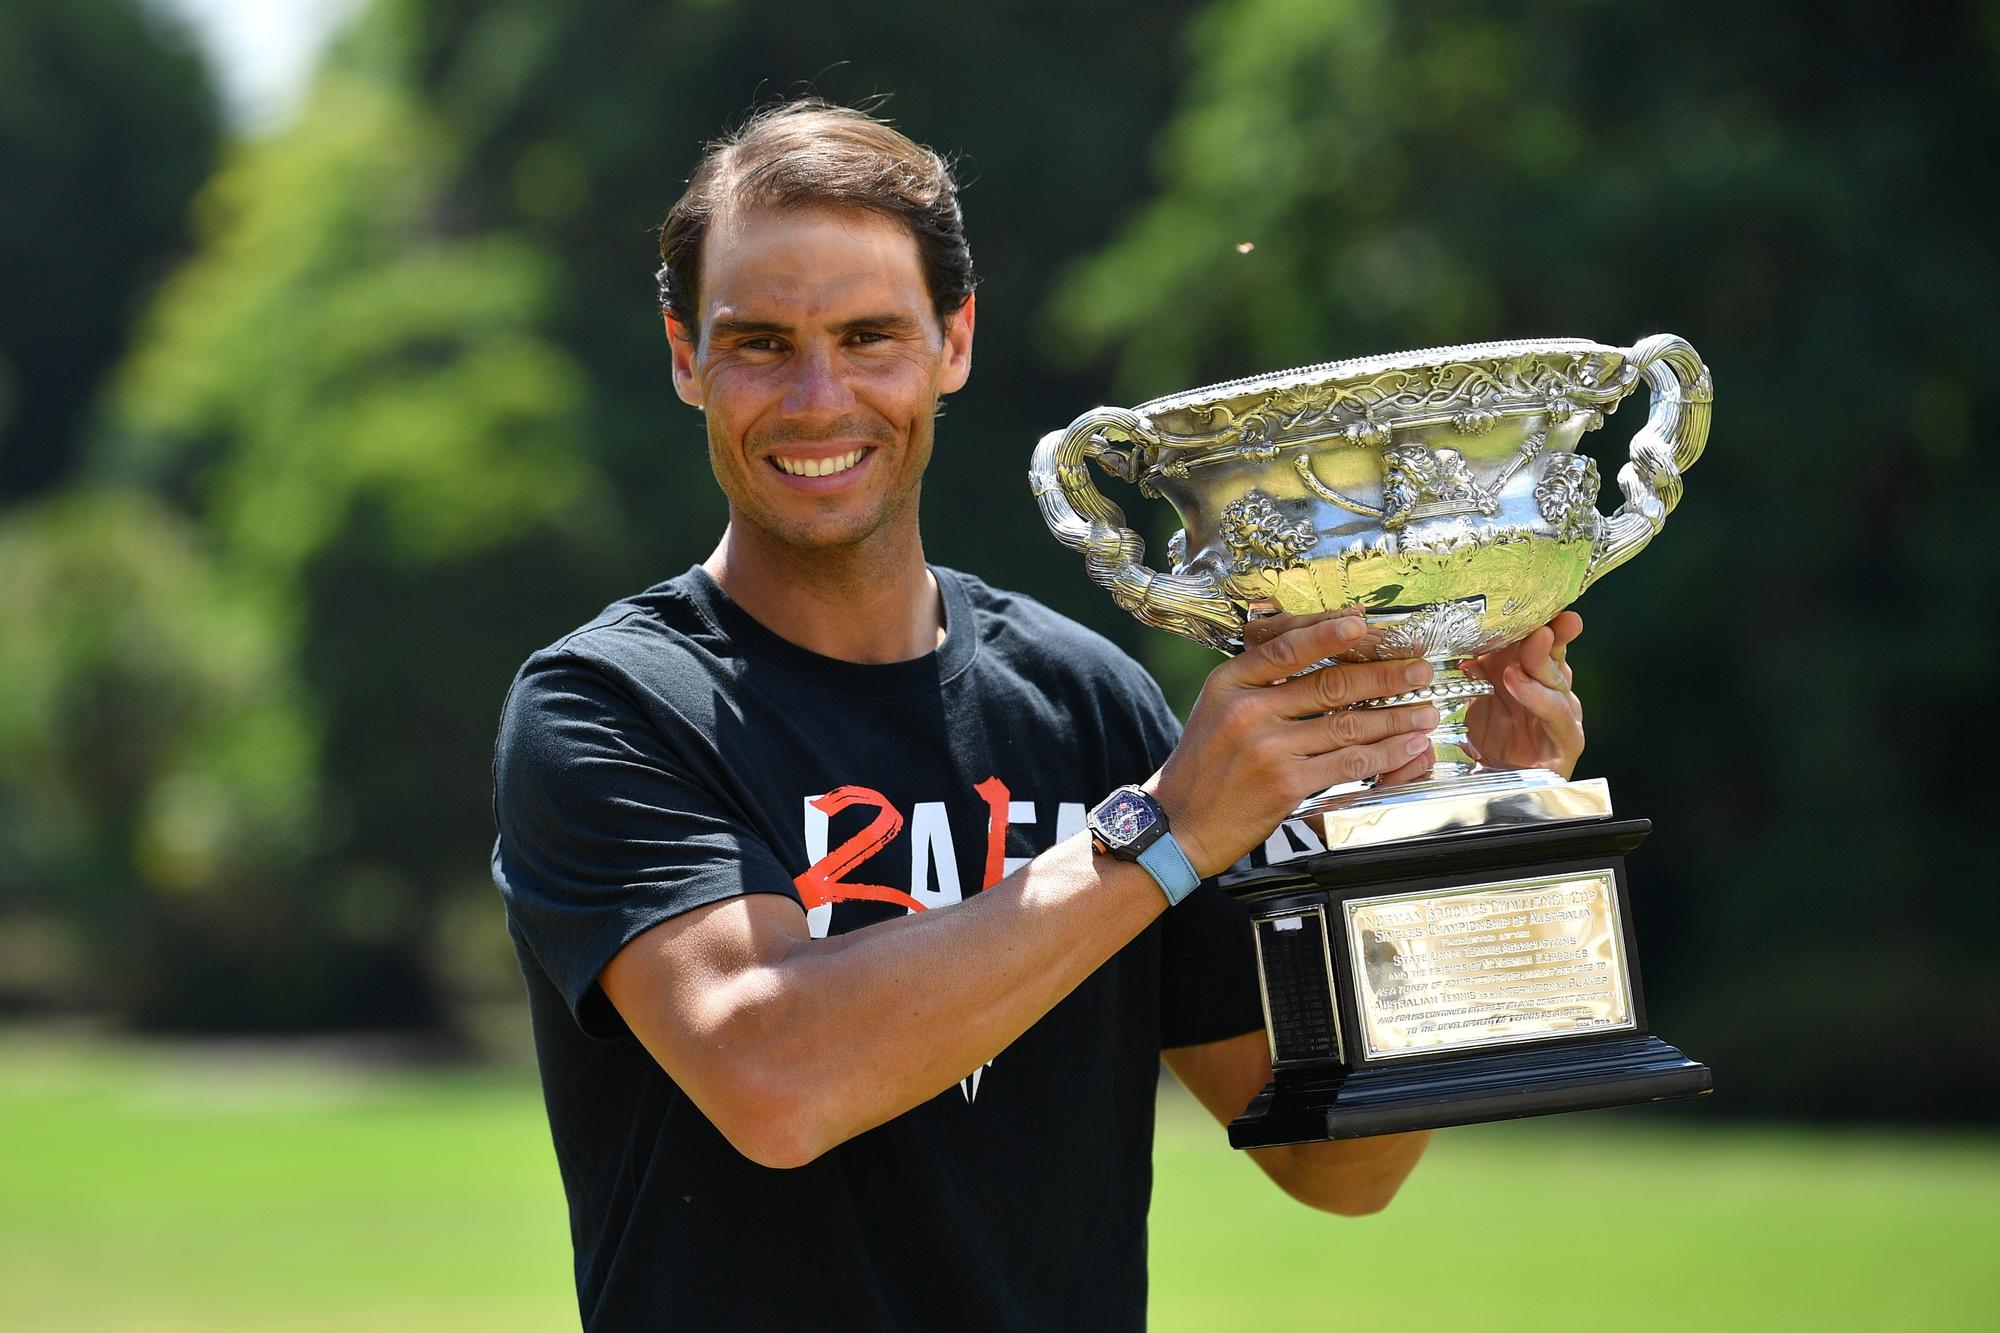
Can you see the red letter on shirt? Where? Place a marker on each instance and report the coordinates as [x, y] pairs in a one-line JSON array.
[[822, 883]]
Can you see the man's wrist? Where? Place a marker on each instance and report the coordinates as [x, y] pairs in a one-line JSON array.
[[1170, 868], [1130, 824], [1187, 838]]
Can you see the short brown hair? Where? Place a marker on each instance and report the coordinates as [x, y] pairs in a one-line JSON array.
[[811, 153]]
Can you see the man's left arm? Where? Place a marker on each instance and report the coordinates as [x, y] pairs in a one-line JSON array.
[[1352, 1177]]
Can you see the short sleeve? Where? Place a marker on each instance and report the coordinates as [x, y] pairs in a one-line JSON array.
[[605, 831], [1208, 963]]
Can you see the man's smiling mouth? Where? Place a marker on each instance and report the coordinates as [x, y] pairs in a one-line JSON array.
[[817, 467]]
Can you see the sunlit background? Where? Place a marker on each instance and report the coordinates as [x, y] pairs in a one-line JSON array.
[[332, 385]]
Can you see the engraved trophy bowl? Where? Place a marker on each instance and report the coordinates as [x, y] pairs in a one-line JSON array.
[[1441, 491]]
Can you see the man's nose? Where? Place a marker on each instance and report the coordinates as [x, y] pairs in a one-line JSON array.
[[818, 387]]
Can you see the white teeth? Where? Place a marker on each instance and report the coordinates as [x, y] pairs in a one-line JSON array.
[[817, 467]]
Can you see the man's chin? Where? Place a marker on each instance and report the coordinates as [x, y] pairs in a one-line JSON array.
[[832, 534], [829, 539]]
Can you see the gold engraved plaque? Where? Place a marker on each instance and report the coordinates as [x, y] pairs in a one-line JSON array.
[[1489, 964]]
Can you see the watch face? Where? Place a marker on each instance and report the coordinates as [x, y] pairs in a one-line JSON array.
[[1124, 817]]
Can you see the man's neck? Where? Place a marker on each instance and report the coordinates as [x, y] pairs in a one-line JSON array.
[[856, 605]]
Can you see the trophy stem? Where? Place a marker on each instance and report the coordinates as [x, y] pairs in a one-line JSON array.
[[1451, 756], [1458, 792], [1451, 692]]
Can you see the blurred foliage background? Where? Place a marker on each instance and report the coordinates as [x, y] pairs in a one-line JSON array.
[[309, 437]]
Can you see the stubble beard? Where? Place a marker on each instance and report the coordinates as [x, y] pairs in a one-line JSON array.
[[877, 539]]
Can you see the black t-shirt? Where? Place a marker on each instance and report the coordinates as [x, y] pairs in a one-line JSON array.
[[674, 752]]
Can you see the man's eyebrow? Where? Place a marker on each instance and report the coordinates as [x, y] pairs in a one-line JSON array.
[[739, 328], [751, 328], [888, 323]]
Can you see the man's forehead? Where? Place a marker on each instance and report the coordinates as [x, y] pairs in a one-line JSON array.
[[811, 260]]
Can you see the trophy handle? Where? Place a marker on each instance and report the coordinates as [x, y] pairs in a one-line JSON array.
[[1192, 605], [1668, 444]]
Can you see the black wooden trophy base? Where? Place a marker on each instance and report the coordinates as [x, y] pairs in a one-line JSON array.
[[1466, 1090], [1324, 1087]]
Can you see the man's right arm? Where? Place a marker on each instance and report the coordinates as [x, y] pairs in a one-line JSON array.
[[791, 1045]]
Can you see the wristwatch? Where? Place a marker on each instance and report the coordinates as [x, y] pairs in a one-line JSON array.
[[1130, 825]]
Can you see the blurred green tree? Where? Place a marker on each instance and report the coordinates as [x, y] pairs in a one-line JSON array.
[[107, 128], [115, 697], [353, 395], [1774, 680], [151, 739]]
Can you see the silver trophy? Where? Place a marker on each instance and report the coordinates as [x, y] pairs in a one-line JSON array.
[[1440, 491]]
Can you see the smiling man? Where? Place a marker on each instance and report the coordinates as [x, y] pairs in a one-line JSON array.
[[857, 899]]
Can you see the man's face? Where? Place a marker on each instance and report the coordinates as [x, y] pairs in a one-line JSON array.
[[819, 367]]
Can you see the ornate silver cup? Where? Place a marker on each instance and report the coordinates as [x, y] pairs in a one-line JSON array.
[[1461, 948], [1441, 491]]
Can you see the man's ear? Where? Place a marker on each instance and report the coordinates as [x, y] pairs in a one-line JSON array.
[[681, 340], [958, 347]]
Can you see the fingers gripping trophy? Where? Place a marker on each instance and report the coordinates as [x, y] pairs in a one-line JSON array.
[[1462, 950]]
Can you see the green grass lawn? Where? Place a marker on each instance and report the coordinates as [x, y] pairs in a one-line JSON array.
[[191, 1189]]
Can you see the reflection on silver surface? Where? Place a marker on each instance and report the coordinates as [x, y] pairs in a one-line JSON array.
[[1494, 799]]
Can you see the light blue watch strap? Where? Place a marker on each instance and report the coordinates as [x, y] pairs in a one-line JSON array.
[[1168, 864]]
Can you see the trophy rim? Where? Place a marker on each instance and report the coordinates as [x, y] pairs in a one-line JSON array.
[[1363, 367]]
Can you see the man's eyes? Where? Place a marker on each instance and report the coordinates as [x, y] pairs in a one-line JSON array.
[[765, 344]]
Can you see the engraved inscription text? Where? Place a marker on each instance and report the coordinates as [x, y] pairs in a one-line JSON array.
[[1489, 964]]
